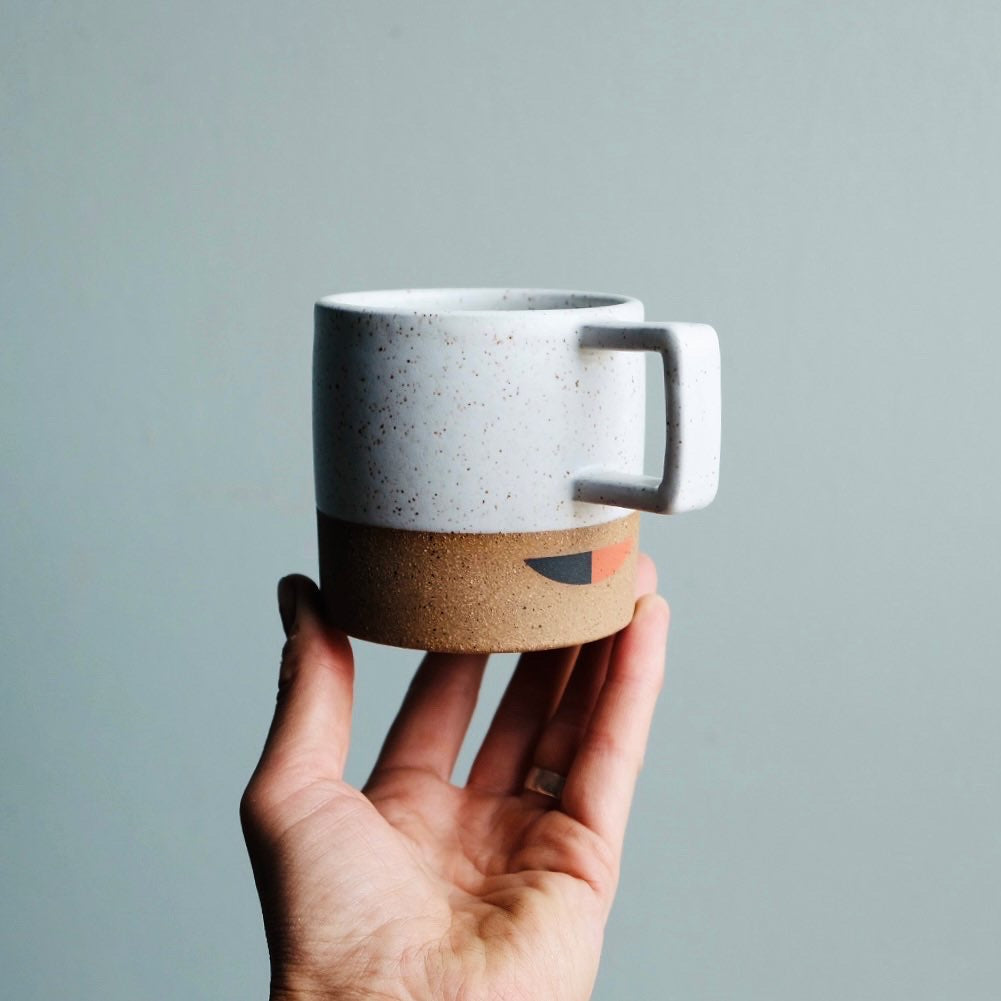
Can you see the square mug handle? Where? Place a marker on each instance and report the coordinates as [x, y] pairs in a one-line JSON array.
[[690, 353]]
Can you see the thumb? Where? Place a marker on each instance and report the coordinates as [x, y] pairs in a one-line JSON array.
[[311, 728]]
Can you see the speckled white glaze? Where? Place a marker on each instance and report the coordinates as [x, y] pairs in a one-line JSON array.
[[476, 410]]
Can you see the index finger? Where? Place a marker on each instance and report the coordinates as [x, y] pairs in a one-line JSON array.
[[599, 787]]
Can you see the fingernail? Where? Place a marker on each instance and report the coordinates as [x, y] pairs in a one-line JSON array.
[[286, 604]]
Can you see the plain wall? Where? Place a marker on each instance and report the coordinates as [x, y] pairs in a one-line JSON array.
[[819, 813]]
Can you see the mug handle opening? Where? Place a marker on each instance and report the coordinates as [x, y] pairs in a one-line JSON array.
[[690, 478]]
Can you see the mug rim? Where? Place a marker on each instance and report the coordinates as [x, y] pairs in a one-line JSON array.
[[434, 301]]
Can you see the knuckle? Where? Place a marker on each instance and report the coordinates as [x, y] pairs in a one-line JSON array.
[[586, 855], [250, 802], [249, 811], [606, 864], [314, 652], [602, 866], [607, 744], [258, 803], [568, 729]]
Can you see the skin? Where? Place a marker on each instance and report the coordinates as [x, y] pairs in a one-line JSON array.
[[413, 887]]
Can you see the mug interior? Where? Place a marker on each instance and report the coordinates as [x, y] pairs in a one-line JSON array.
[[470, 300]]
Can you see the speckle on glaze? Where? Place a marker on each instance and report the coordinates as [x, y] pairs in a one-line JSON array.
[[500, 401], [483, 394]]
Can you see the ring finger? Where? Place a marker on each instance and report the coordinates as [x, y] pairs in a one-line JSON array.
[[558, 742]]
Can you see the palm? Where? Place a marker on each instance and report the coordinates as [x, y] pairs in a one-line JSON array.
[[471, 886], [416, 887]]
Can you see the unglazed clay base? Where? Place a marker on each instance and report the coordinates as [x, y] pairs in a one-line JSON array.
[[478, 592]]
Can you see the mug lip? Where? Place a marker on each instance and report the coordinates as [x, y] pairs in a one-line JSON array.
[[368, 301]]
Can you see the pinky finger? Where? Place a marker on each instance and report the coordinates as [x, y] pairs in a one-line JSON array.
[[599, 788]]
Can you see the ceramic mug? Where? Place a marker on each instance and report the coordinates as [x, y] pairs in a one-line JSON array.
[[478, 459]]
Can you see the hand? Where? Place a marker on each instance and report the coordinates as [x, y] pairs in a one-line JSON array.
[[415, 888]]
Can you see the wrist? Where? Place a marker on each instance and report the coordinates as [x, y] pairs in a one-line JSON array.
[[328, 994], [338, 978], [282, 994]]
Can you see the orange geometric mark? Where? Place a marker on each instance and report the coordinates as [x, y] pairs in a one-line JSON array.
[[605, 561]]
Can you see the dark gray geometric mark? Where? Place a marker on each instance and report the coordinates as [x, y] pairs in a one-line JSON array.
[[574, 568]]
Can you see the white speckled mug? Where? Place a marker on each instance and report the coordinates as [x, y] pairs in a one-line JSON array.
[[479, 460]]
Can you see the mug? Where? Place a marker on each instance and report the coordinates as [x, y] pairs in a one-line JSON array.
[[478, 459]]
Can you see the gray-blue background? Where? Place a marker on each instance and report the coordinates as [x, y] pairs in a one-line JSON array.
[[819, 814]]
